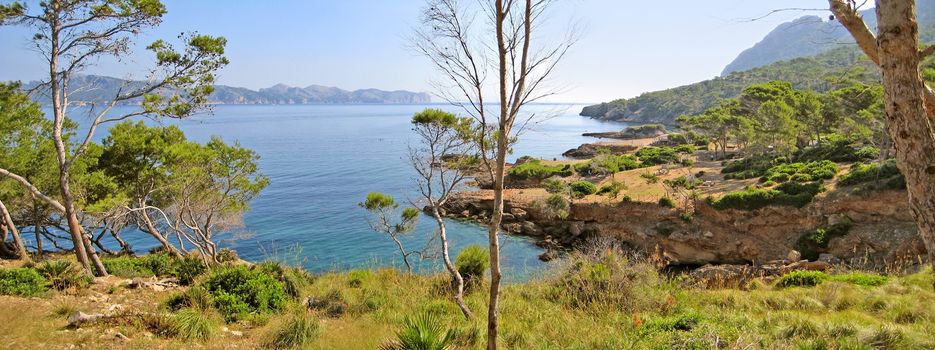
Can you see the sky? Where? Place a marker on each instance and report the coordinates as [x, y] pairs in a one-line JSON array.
[[626, 47]]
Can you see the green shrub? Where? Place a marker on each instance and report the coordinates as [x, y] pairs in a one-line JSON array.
[[226, 255], [812, 243], [861, 279], [534, 169], [241, 289], [155, 264], [582, 188], [333, 304], [194, 325], [554, 185], [872, 172], [794, 188], [683, 321], [424, 332], [61, 274], [801, 278], [554, 206], [356, 278], [22, 282], [750, 167], [612, 188], [295, 332], [836, 149], [609, 282], [195, 297], [293, 279], [473, 262], [666, 202], [802, 172], [609, 164], [753, 198], [662, 155], [187, 269]]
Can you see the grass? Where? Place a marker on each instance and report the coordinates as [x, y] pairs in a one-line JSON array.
[[603, 302]]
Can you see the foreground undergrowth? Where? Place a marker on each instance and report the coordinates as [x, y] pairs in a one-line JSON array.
[[601, 302]]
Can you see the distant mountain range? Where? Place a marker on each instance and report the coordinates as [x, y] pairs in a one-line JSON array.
[[102, 88], [813, 35], [804, 52]]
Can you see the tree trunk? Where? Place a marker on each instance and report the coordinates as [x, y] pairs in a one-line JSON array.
[[455, 274], [17, 240], [908, 122], [151, 228], [493, 229], [37, 226]]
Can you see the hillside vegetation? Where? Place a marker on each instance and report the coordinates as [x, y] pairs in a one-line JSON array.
[[815, 73]]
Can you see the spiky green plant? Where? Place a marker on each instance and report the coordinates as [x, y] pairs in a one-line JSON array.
[[423, 332], [294, 332], [193, 324]]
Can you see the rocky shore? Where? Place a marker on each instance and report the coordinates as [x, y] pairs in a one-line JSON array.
[[879, 229]]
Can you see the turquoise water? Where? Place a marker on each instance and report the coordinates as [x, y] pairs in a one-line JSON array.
[[323, 159]]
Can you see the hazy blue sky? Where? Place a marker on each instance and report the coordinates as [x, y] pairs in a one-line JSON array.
[[627, 47]]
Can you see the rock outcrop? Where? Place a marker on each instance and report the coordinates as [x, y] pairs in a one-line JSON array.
[[590, 150], [880, 228]]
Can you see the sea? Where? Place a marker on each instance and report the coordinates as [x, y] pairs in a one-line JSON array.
[[322, 160]]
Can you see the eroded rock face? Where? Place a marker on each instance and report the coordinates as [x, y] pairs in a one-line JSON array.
[[881, 228]]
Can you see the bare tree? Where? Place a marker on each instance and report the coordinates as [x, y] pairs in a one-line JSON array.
[[444, 151], [73, 35], [909, 102], [466, 54]]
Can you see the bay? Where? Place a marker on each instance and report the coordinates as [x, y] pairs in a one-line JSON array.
[[323, 159]]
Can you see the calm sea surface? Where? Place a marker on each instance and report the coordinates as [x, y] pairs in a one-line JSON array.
[[323, 159]]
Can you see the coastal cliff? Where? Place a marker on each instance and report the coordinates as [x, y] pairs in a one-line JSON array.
[[878, 228]]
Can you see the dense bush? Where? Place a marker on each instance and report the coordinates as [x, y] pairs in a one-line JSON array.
[[554, 185], [238, 290], [611, 281], [750, 167], [662, 155], [802, 172], [609, 164], [795, 188], [473, 262], [860, 279], [155, 264], [612, 188], [61, 274], [22, 282], [582, 188], [754, 198], [554, 206], [801, 278], [836, 150], [534, 169], [870, 172], [666, 202]]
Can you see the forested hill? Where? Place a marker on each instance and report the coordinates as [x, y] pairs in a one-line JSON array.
[[805, 52], [812, 35], [101, 88], [808, 72]]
